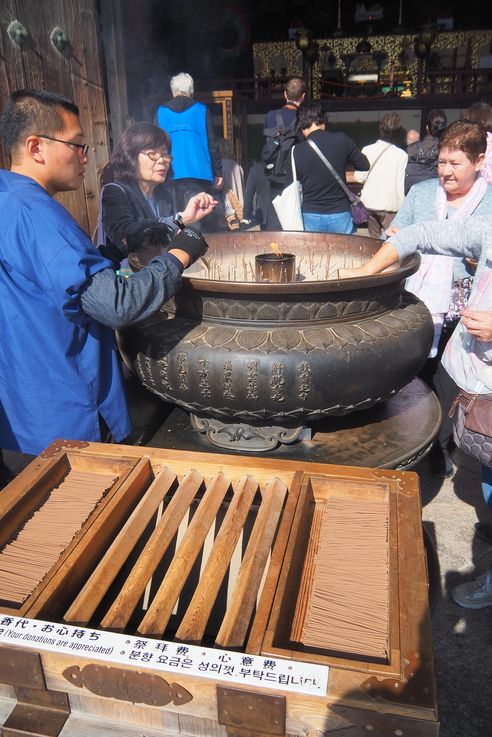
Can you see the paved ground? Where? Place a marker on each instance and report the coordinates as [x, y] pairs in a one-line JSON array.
[[462, 637]]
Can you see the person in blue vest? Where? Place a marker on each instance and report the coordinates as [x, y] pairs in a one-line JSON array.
[[197, 165], [60, 300]]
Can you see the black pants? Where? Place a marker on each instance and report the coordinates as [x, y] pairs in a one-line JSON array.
[[437, 378], [273, 223], [446, 390], [18, 461], [184, 189], [378, 221]]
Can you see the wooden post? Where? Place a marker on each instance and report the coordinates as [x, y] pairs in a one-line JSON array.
[[75, 73], [114, 45]]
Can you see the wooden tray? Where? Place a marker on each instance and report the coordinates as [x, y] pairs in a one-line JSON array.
[[30, 491], [293, 593], [217, 550]]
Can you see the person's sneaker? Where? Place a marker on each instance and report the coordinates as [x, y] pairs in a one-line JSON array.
[[484, 531], [441, 464], [474, 594]]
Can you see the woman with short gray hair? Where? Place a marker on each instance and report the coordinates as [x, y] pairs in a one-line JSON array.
[[182, 84]]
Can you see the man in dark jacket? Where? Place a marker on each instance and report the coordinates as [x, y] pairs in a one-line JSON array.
[[282, 119], [197, 166], [294, 93]]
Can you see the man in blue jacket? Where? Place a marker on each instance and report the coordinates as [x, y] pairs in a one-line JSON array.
[[60, 300], [197, 165]]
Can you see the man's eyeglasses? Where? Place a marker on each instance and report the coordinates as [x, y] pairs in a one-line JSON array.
[[84, 147], [155, 156]]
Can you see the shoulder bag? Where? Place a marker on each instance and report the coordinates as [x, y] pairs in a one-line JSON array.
[[472, 425], [359, 210], [288, 204]]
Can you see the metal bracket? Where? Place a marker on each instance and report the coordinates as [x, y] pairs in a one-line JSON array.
[[414, 687], [18, 667], [127, 685], [37, 714], [58, 445], [243, 437], [247, 713]]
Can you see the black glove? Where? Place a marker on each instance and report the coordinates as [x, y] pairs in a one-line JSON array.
[[191, 241], [148, 234]]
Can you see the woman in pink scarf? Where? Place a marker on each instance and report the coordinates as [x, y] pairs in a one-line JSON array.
[[443, 283]]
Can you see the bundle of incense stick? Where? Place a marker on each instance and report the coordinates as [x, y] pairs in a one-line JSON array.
[[347, 606], [38, 544]]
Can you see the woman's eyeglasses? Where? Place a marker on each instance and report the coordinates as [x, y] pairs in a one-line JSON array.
[[155, 156], [82, 147]]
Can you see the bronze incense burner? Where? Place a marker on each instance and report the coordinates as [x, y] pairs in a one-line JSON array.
[[256, 362]]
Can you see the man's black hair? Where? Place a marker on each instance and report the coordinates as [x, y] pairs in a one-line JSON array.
[[309, 113], [31, 112], [390, 127]]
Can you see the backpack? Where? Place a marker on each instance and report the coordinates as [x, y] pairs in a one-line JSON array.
[[422, 163], [275, 154]]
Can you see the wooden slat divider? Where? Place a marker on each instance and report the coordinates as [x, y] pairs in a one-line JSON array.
[[393, 593], [122, 608], [415, 624], [193, 624], [307, 578], [161, 608], [256, 634], [236, 621], [103, 576]]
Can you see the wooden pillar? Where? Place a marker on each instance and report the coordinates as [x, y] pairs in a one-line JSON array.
[[112, 19], [74, 71]]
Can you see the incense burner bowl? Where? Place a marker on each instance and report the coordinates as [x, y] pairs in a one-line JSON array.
[[255, 363]]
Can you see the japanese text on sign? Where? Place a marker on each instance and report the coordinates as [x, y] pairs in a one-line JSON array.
[[253, 670]]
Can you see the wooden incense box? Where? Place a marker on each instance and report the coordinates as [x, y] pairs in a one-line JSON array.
[[185, 600]]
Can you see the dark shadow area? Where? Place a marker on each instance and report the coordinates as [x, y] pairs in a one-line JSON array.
[[430, 489], [147, 411], [433, 565]]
